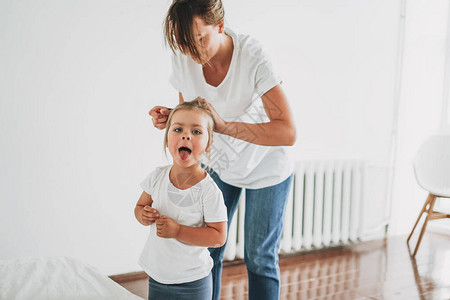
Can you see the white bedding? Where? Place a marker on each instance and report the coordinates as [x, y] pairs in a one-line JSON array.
[[56, 279]]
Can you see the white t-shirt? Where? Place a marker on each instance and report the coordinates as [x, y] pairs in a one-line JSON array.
[[237, 99], [169, 261]]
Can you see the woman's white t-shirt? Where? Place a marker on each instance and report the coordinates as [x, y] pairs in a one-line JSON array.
[[237, 99], [169, 261]]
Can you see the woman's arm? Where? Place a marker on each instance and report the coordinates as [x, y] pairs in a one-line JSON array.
[[180, 98], [279, 131], [213, 235], [160, 114]]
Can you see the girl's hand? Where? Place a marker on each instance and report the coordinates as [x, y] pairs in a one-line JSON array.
[[219, 124], [167, 227], [149, 215], [159, 116]]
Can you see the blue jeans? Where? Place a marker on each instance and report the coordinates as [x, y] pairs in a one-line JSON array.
[[264, 212], [200, 289]]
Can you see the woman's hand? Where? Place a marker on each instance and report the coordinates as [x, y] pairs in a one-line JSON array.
[[159, 116], [219, 124], [167, 227]]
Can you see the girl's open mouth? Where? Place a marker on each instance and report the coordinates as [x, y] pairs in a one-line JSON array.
[[184, 152]]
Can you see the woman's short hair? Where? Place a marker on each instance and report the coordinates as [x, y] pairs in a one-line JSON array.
[[178, 25]]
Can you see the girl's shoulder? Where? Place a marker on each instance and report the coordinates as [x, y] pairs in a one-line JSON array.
[[154, 178], [159, 173], [160, 170], [208, 185]]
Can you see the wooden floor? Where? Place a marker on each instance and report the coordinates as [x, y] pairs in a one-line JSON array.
[[381, 269]]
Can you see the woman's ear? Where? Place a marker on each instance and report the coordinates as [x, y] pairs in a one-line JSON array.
[[221, 26]]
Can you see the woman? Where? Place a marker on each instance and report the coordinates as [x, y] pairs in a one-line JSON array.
[[253, 124]]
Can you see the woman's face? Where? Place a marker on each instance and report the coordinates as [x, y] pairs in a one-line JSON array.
[[187, 138], [208, 38]]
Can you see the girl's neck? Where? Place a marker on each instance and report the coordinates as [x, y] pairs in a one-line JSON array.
[[183, 178]]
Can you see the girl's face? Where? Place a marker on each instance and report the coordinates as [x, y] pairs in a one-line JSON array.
[[208, 37], [187, 137]]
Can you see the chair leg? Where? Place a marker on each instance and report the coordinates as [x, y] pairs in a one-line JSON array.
[[424, 227], [424, 209]]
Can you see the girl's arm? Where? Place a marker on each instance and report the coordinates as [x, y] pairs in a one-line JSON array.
[[213, 235], [145, 214], [279, 131]]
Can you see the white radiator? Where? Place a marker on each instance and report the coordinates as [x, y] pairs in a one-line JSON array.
[[323, 210]]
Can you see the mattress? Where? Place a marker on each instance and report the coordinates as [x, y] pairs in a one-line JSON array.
[[60, 278]]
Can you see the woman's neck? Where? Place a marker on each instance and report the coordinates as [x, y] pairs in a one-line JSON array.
[[216, 69], [184, 178], [223, 57]]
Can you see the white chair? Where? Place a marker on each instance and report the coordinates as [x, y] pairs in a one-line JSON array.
[[432, 169]]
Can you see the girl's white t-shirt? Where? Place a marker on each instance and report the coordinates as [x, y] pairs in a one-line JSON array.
[[169, 261], [237, 99]]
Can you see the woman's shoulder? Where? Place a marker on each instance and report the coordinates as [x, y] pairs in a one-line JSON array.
[[248, 46], [178, 59], [182, 62]]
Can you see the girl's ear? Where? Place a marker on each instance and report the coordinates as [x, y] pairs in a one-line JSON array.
[[208, 147], [165, 144]]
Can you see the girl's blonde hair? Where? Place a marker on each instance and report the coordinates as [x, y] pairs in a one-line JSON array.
[[197, 106], [178, 25]]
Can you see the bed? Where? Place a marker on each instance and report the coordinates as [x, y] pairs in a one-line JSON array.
[[56, 279]]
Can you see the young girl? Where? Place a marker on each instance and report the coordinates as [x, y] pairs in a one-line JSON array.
[[185, 210]]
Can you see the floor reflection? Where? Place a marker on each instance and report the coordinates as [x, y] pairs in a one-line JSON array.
[[373, 270]]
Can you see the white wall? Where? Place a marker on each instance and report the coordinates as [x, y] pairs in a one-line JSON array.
[[338, 65], [421, 101], [78, 78]]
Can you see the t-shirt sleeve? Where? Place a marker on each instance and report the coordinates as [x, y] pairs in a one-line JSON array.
[[175, 77], [214, 209], [266, 77], [149, 182]]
